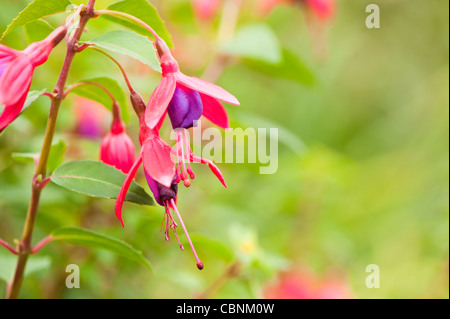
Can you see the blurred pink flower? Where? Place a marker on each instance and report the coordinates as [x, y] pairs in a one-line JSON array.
[[304, 285], [205, 9], [323, 9], [90, 118], [16, 72], [117, 148]]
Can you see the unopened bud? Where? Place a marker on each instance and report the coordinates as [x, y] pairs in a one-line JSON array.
[[137, 102], [161, 47]]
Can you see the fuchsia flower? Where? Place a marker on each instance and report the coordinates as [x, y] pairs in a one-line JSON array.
[[159, 168], [16, 71], [205, 9], [323, 9], [156, 156], [185, 99], [117, 148]]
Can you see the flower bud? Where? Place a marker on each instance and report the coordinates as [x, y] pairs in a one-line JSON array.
[[117, 148], [16, 72], [137, 102], [185, 108]]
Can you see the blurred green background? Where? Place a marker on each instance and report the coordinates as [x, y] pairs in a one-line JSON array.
[[363, 163]]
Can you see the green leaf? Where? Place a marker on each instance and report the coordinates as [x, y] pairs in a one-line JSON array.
[[85, 237], [8, 265], [56, 155], [214, 247], [97, 94], [131, 44], [291, 67], [55, 159], [97, 179], [24, 157], [256, 42], [37, 30], [31, 98], [143, 10], [36, 10]]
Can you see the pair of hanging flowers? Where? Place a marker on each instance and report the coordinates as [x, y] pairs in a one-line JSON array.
[[182, 98]]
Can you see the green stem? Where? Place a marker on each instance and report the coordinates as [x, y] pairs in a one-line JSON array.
[[115, 106], [74, 86], [25, 247], [131, 17], [127, 80]]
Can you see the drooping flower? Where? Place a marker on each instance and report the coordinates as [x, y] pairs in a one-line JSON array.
[[185, 99], [156, 156], [16, 71], [205, 9], [159, 167], [117, 148]]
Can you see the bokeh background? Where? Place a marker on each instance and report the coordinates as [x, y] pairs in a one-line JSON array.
[[363, 164]]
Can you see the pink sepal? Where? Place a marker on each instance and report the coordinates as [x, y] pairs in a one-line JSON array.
[[206, 88], [160, 100], [214, 111], [11, 112], [15, 81], [158, 161], [126, 185]]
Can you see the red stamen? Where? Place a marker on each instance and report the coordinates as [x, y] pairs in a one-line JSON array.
[[186, 181], [201, 160], [174, 226], [191, 154], [213, 168], [166, 222], [180, 154], [174, 207]]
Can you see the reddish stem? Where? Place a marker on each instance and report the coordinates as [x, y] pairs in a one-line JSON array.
[[49, 95], [44, 183], [127, 81], [41, 244], [8, 246], [128, 16], [115, 106], [25, 248]]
